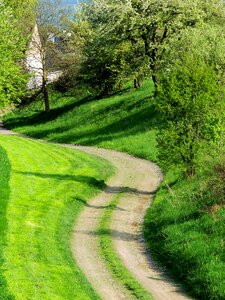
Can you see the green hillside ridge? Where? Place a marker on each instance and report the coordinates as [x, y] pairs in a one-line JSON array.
[[185, 225], [49, 185], [127, 121]]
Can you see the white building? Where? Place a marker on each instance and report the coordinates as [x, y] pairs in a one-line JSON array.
[[34, 62]]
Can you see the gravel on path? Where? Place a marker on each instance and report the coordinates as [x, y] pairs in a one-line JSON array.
[[139, 179]]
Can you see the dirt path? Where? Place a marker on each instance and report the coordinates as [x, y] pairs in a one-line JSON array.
[[139, 178]]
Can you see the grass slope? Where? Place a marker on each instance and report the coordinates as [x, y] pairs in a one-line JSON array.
[[185, 230], [49, 186], [127, 121]]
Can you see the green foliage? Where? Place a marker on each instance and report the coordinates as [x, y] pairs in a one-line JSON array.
[[12, 77], [52, 189], [105, 68], [24, 12], [149, 25], [190, 100]]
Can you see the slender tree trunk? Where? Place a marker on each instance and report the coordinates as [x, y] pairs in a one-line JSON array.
[[137, 83], [155, 81], [152, 54], [46, 98], [44, 85]]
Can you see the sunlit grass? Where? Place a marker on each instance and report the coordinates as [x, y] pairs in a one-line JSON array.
[[185, 236], [48, 187]]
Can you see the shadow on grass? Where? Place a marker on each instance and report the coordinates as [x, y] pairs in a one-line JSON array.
[[141, 121], [118, 235], [91, 181], [43, 117], [121, 119], [132, 124], [110, 206]]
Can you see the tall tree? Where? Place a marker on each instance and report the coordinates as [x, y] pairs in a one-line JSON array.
[[151, 23], [46, 45]]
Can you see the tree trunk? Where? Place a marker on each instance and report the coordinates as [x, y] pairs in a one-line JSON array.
[[46, 98], [137, 83], [152, 54], [155, 81]]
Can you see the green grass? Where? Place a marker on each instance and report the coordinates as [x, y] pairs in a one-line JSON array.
[[127, 121], [111, 257], [179, 227], [49, 185], [4, 192], [186, 232]]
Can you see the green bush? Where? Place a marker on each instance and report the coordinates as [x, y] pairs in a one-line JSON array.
[[190, 101]]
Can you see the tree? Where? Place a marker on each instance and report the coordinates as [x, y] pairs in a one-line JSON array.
[[24, 12], [47, 46], [13, 79], [72, 57], [150, 23], [191, 102]]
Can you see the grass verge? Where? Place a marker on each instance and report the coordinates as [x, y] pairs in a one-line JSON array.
[[49, 186], [185, 230], [113, 261], [4, 192]]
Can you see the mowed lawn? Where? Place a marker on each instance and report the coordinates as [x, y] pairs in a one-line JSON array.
[[43, 188]]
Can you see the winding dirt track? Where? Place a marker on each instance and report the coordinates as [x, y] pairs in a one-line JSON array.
[[139, 179]]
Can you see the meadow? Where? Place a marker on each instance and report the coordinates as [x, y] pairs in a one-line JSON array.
[[126, 121], [43, 188], [184, 227]]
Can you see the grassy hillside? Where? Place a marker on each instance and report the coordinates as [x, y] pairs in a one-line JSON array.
[[126, 121], [185, 225], [185, 230], [49, 185]]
